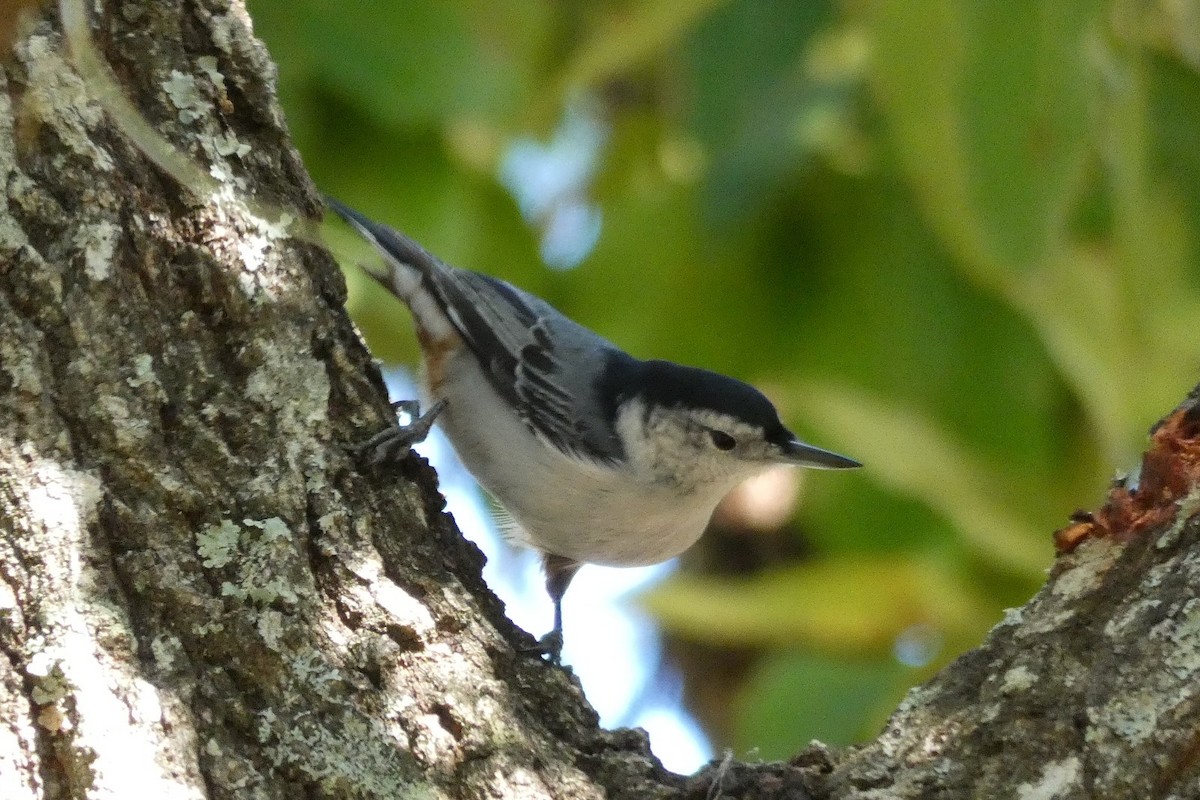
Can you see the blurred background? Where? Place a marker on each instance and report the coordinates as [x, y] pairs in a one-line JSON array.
[[956, 241]]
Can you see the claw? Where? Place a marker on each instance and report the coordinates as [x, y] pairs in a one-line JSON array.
[[548, 647], [410, 407], [391, 445]]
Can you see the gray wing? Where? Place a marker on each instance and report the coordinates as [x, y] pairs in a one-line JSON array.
[[550, 368]]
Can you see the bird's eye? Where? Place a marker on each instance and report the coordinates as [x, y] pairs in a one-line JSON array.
[[722, 440]]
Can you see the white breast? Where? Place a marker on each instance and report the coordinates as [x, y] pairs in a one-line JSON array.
[[583, 511]]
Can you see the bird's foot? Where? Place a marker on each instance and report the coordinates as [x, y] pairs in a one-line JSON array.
[[391, 445], [548, 647]]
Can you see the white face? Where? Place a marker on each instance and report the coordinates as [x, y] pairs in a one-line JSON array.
[[695, 450]]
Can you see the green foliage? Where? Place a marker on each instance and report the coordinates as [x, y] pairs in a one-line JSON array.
[[957, 241], [796, 697], [845, 605]]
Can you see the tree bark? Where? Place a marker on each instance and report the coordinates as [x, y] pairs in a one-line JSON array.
[[203, 595]]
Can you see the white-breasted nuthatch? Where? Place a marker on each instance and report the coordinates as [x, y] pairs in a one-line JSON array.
[[599, 457]]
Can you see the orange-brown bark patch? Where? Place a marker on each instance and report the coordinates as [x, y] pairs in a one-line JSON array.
[[1170, 468]]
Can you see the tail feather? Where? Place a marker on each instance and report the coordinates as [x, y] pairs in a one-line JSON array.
[[412, 270], [390, 241], [402, 253]]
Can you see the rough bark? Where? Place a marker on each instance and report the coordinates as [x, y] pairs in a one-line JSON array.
[[202, 595]]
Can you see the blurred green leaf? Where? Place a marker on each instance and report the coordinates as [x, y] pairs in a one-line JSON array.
[[861, 292], [1084, 318], [412, 63], [909, 453], [750, 127], [988, 103], [1173, 116], [846, 605], [793, 698], [624, 40]]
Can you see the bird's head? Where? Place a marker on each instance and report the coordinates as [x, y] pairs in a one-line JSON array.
[[705, 431]]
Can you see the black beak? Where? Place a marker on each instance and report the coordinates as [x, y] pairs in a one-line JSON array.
[[805, 455]]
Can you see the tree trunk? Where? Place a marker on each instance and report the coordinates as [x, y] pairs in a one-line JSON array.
[[203, 595]]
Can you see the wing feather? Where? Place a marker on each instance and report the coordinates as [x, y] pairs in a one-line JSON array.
[[547, 366]]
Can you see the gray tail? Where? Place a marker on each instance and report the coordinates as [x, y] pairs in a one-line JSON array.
[[397, 247]]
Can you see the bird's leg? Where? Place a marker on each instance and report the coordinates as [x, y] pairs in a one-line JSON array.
[[559, 572], [392, 444]]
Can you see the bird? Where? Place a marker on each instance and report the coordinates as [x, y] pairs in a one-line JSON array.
[[597, 456]]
